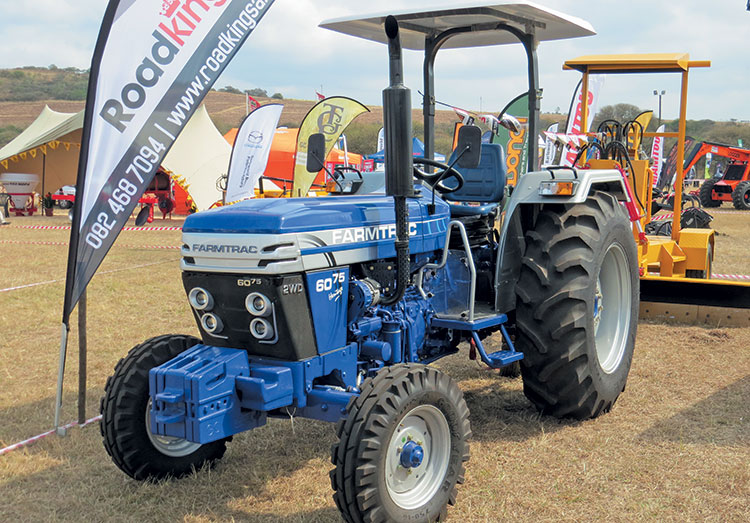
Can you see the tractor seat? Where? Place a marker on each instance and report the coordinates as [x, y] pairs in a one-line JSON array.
[[484, 184]]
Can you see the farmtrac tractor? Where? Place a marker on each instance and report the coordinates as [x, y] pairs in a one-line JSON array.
[[332, 308]]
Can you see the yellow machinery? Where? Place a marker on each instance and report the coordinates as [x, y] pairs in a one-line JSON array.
[[675, 271]]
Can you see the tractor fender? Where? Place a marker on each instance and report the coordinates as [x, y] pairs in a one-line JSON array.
[[521, 209]]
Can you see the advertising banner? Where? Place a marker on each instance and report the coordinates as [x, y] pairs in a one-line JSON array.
[[329, 117], [549, 145], [575, 115], [250, 151], [153, 63], [515, 144], [657, 155]]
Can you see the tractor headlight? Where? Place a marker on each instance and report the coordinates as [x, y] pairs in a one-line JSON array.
[[258, 304], [211, 323], [261, 329], [201, 299]]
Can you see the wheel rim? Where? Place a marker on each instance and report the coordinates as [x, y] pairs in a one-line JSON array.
[[424, 435], [612, 304], [168, 445]]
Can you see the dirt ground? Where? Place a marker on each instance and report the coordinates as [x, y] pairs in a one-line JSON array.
[[675, 447]]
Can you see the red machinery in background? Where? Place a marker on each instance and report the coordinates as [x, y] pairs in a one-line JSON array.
[[159, 193], [733, 185]]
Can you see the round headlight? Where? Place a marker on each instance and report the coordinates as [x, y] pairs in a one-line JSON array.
[[211, 323], [261, 329], [201, 299], [258, 304]]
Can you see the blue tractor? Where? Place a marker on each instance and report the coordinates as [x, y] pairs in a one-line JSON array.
[[332, 308]]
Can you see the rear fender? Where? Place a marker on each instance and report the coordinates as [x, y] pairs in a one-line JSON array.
[[520, 213]]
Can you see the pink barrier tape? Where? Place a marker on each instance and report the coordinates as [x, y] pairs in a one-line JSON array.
[[67, 227], [36, 438], [66, 243], [98, 273], [740, 277]]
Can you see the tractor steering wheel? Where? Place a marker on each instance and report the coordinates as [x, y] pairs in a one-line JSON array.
[[435, 180]]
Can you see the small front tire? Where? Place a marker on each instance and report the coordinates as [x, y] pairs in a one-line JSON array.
[[125, 413], [402, 447]]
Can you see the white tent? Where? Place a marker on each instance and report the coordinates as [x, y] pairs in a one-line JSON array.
[[50, 147]]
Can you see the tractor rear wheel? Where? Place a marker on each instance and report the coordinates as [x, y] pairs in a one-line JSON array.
[[125, 423], [577, 307], [741, 196], [402, 447], [705, 194]]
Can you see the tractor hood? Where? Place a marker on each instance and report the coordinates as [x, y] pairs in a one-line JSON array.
[[283, 235]]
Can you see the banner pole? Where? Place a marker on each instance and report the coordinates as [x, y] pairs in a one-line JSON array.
[[60, 431], [82, 358]]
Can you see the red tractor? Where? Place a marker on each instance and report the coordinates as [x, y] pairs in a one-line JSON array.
[[733, 185]]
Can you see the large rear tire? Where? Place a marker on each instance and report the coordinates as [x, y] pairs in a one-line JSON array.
[[402, 447], [124, 425], [705, 194], [577, 307], [741, 196]]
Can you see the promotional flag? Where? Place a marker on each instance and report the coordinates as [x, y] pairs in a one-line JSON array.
[[549, 145], [575, 114], [515, 144], [668, 173], [329, 117], [634, 135], [381, 140], [319, 96], [153, 63], [709, 157], [252, 104], [250, 151], [657, 154]]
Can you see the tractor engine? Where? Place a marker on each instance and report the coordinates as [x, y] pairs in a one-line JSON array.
[[288, 296]]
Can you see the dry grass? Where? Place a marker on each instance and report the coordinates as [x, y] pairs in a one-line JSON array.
[[675, 447]]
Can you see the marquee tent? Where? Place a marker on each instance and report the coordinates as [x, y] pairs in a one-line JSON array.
[[50, 147]]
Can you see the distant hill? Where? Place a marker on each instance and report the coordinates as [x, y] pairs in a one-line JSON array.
[[28, 84]]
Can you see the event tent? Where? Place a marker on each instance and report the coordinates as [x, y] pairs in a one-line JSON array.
[[50, 147]]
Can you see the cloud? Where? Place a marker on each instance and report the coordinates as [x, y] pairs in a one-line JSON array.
[[290, 54]]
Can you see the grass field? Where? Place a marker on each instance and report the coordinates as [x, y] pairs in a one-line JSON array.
[[675, 447]]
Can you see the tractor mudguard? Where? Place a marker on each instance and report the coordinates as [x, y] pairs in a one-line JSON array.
[[526, 193]]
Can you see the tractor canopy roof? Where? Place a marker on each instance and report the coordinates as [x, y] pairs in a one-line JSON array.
[[481, 17]]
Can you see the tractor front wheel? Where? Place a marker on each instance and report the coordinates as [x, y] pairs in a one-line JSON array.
[[705, 194], [577, 307], [125, 425], [741, 196], [402, 447]]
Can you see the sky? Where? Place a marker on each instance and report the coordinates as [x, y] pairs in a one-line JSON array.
[[288, 53]]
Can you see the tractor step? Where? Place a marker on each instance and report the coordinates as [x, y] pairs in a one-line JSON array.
[[502, 358]]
